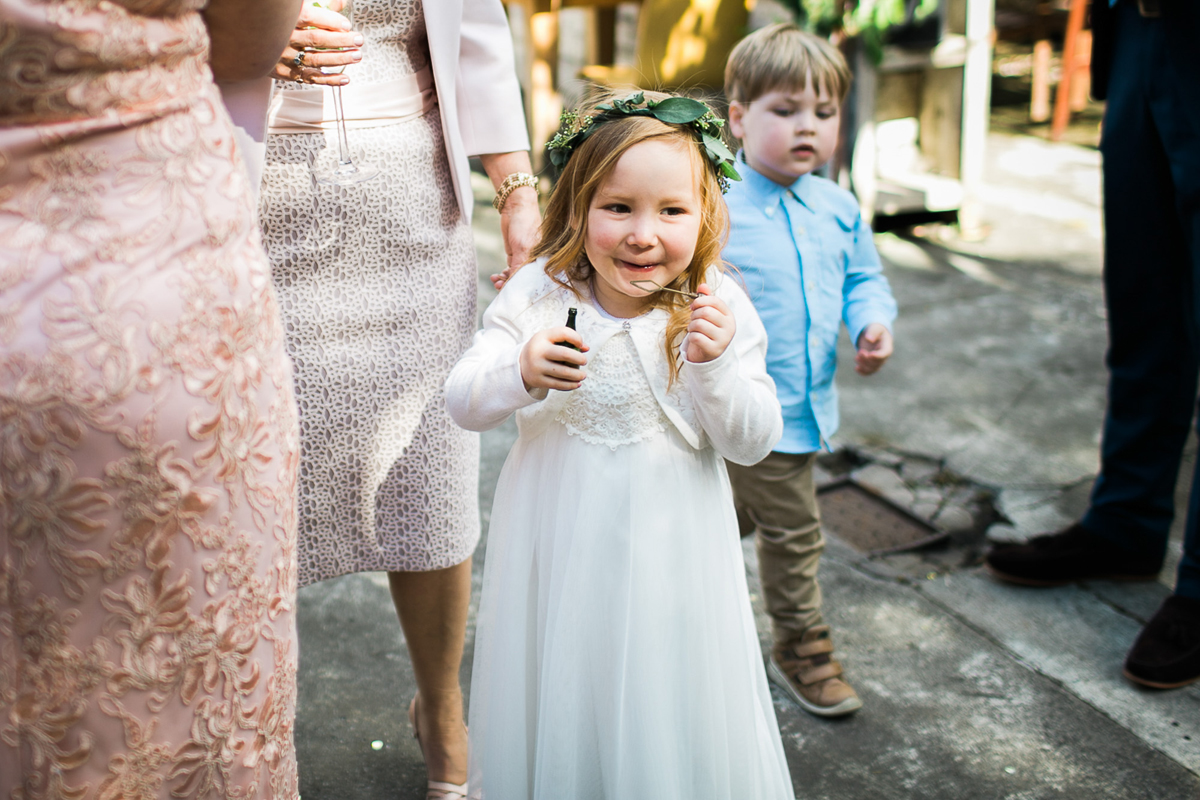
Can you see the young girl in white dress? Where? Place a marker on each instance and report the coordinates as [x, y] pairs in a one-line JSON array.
[[616, 655]]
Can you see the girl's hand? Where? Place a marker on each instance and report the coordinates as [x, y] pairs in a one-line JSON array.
[[711, 329], [874, 348], [325, 39], [547, 365]]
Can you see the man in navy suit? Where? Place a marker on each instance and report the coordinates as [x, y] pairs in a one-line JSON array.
[[1146, 63]]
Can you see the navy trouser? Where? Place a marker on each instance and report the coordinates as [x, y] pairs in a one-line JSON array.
[[1151, 150]]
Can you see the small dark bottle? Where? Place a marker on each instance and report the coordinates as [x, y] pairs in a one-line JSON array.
[[570, 324]]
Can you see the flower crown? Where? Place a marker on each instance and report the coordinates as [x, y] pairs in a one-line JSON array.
[[575, 129]]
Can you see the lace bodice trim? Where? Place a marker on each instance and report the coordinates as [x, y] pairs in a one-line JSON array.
[[603, 419], [615, 406]]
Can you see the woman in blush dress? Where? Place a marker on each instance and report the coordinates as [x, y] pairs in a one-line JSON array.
[[148, 435]]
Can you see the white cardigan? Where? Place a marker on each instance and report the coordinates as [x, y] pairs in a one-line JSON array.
[[728, 403], [479, 99]]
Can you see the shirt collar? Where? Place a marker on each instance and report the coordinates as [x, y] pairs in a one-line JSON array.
[[766, 193]]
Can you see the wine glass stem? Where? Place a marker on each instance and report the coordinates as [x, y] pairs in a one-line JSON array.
[[343, 142]]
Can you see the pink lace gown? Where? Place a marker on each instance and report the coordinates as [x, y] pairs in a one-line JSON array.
[[148, 436]]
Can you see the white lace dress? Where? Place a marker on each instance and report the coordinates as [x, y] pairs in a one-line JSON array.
[[616, 654], [377, 288]]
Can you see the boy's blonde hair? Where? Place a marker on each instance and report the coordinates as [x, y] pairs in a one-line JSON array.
[[564, 229], [784, 57]]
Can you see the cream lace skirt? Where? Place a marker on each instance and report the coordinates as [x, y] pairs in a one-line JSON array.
[[377, 287]]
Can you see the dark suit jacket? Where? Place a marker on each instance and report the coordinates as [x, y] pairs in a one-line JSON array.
[[1181, 19]]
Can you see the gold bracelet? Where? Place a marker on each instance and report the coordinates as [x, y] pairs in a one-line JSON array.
[[509, 184]]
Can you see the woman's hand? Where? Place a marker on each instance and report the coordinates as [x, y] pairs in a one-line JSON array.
[[545, 364], [519, 223], [711, 329], [325, 39], [520, 216]]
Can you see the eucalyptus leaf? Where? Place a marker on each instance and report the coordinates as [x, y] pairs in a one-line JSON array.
[[680, 110], [716, 146]]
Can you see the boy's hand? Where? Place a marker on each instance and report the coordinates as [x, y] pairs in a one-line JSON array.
[[547, 365], [874, 348], [711, 329]]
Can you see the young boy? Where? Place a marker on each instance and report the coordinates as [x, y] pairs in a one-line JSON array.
[[807, 260]]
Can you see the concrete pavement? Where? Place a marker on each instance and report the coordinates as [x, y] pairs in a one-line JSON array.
[[971, 689]]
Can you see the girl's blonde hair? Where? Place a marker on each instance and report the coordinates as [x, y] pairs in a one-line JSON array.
[[564, 229]]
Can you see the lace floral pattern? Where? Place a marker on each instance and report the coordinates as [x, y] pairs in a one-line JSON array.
[[549, 309], [86, 61], [377, 289], [148, 437], [615, 406]]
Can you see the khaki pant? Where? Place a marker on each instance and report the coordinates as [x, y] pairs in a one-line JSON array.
[[777, 499]]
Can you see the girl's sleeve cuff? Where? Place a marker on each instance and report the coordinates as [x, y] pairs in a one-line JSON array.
[[511, 391], [711, 372]]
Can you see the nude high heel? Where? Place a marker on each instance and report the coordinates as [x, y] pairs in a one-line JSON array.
[[434, 790]]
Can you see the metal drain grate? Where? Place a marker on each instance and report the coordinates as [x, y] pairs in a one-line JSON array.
[[870, 523]]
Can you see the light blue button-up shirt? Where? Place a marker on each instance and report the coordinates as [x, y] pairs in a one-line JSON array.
[[807, 261]]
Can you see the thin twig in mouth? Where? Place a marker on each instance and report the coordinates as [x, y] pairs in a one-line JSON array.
[[658, 288]]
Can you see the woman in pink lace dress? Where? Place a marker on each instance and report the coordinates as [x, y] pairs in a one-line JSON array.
[[148, 437]]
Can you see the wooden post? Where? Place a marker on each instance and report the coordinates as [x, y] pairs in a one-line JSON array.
[[605, 34], [1039, 102], [864, 159], [1062, 108], [977, 95], [1081, 77]]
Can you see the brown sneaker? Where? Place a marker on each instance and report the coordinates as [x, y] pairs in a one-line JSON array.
[[806, 670]]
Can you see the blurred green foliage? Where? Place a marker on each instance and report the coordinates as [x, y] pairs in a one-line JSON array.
[[867, 20]]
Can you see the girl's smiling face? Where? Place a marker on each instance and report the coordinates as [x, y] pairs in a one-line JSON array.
[[643, 223]]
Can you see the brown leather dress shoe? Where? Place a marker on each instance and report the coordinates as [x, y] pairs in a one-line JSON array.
[[1166, 654], [1072, 554]]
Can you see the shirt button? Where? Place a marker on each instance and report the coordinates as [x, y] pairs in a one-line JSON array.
[[625, 325], [800, 230]]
